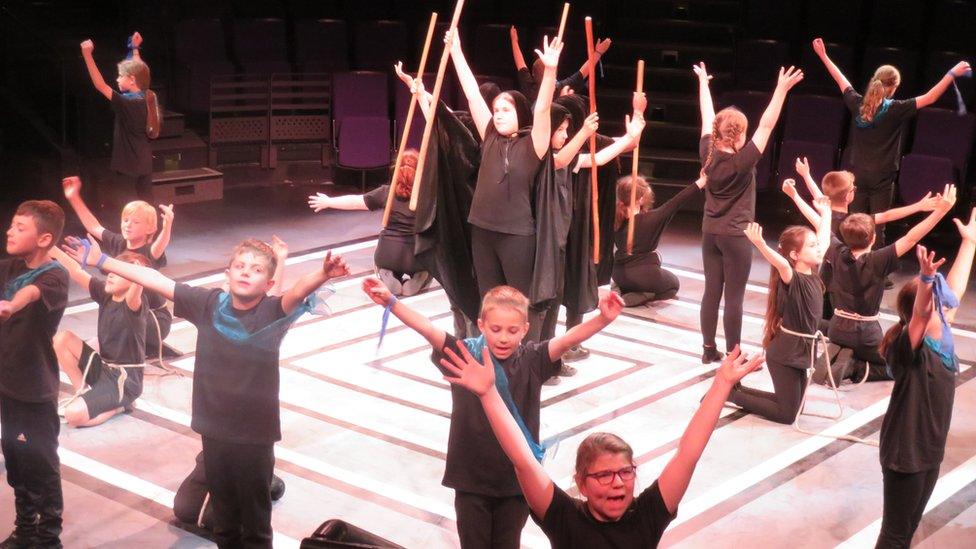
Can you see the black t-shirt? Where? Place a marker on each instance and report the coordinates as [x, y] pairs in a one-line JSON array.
[[114, 244], [530, 88], [836, 218], [131, 152], [648, 228], [569, 525], [235, 385], [502, 199], [28, 365], [857, 285], [401, 218], [121, 331], [916, 425], [730, 195], [476, 462], [800, 305], [876, 149]]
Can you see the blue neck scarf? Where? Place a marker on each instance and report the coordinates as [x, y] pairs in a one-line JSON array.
[[230, 327], [27, 278], [943, 297], [477, 347], [882, 109]]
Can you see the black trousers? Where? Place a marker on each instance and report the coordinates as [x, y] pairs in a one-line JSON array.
[[240, 478], [485, 522], [395, 253], [783, 403], [727, 261], [501, 258], [874, 195], [905, 497], [864, 339], [646, 275], [29, 438]]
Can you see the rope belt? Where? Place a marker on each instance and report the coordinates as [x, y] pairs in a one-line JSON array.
[[854, 316], [123, 376]]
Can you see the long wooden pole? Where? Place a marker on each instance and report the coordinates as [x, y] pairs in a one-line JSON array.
[[562, 21], [594, 192], [435, 97], [409, 120], [633, 168]]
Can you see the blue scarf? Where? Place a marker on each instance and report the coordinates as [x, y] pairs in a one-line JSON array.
[[882, 109], [230, 327], [477, 346], [27, 278], [943, 297]]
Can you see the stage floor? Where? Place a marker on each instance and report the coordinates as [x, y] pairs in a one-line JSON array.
[[365, 433]]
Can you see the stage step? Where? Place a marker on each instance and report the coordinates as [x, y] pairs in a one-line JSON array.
[[184, 152], [185, 186], [174, 124]]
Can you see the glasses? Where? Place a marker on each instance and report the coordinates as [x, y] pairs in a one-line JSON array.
[[606, 477]]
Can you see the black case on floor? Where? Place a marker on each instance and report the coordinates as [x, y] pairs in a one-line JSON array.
[[337, 534]]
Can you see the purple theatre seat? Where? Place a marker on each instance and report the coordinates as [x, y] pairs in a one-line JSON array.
[[822, 159], [757, 63], [377, 45], [906, 61], [401, 103], [815, 118], [816, 79], [200, 54], [261, 46], [921, 173], [941, 132], [321, 45], [752, 104], [363, 143], [360, 93]]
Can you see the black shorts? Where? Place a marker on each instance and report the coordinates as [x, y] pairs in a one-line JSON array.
[[104, 382]]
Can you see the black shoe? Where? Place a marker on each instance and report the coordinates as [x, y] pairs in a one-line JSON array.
[[20, 538], [711, 354], [634, 299], [889, 283], [277, 487], [554, 380], [566, 371], [575, 354], [416, 283]]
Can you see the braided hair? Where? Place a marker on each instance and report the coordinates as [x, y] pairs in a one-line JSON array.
[[728, 125]]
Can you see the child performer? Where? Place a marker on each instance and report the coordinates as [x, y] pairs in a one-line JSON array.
[[879, 120], [920, 353], [137, 119], [639, 275], [793, 313], [730, 204], [35, 293], [490, 508], [137, 234], [235, 384], [529, 81], [610, 516]]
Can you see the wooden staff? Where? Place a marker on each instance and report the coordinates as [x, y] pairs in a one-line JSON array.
[[409, 121], [633, 168], [594, 192], [435, 97], [562, 21]]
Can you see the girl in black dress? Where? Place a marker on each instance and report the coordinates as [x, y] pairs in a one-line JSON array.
[[793, 313], [919, 352]]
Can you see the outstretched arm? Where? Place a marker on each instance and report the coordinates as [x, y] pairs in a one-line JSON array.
[[479, 378], [136, 41], [75, 272], [705, 99], [789, 189], [151, 279], [821, 50], [942, 85], [322, 201], [803, 170], [958, 278], [676, 475], [516, 49], [922, 310], [133, 297], [87, 47], [280, 248], [914, 235], [541, 124], [417, 322], [782, 266], [822, 205], [635, 127], [569, 151], [165, 233], [480, 111], [926, 204], [72, 193], [787, 79], [610, 307], [333, 266], [416, 87]]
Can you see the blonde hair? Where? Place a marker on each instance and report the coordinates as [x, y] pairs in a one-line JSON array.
[[595, 445], [728, 125], [836, 185], [886, 78], [139, 71], [257, 248], [504, 296], [645, 198], [142, 210]]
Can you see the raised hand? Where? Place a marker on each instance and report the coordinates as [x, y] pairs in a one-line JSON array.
[[136, 39], [802, 167], [819, 48], [513, 34], [72, 186], [404, 77], [701, 71], [610, 306], [789, 187], [85, 253], [566, 90], [334, 265], [319, 202], [477, 377], [87, 46], [737, 365], [822, 205], [452, 41], [754, 233], [279, 247], [602, 45], [591, 124], [788, 78], [166, 212], [928, 202], [947, 199], [639, 102], [377, 291], [967, 231], [550, 52], [635, 126], [927, 263], [961, 68]]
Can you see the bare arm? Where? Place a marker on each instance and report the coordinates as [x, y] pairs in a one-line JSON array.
[[941, 86], [635, 127], [822, 205], [599, 49], [133, 297], [922, 310], [480, 111], [322, 201], [610, 307], [926, 204], [75, 272], [333, 266], [151, 279], [803, 170], [958, 278], [916, 233], [573, 146], [516, 50], [280, 248], [72, 192], [811, 215], [417, 322], [782, 266], [165, 233], [541, 124], [705, 99], [787, 79], [821, 50], [87, 47]]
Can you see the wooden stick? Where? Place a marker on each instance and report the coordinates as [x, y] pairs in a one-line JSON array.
[[594, 192], [435, 98], [633, 169], [562, 21], [409, 120]]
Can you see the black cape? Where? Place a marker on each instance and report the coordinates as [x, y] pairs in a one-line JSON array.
[[553, 205]]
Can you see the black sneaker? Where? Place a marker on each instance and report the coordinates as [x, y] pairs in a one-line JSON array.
[[711, 354], [416, 283], [277, 487], [20, 538], [575, 354], [554, 380], [889, 283], [566, 371], [634, 299]]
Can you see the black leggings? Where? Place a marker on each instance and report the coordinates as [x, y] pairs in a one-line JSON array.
[[905, 496], [874, 195], [485, 522], [395, 253], [646, 276], [501, 258], [727, 261], [781, 405]]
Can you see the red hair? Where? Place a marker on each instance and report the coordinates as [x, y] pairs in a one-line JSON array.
[[408, 167]]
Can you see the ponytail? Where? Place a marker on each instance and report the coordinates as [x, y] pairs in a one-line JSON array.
[[772, 319], [154, 118], [905, 304], [882, 84]]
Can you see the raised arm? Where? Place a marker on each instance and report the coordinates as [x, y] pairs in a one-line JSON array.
[[72, 193], [480, 111], [676, 475], [151, 279], [787, 79], [75, 272], [914, 235], [333, 266], [958, 278], [803, 170], [479, 378], [322, 201], [569, 151], [541, 124], [516, 49], [135, 42], [87, 47], [417, 322], [782, 266], [811, 215], [133, 297], [821, 50], [926, 204], [165, 232], [822, 205], [610, 306], [416, 87], [704, 98], [635, 127], [280, 248], [933, 95], [600, 48], [922, 310]]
